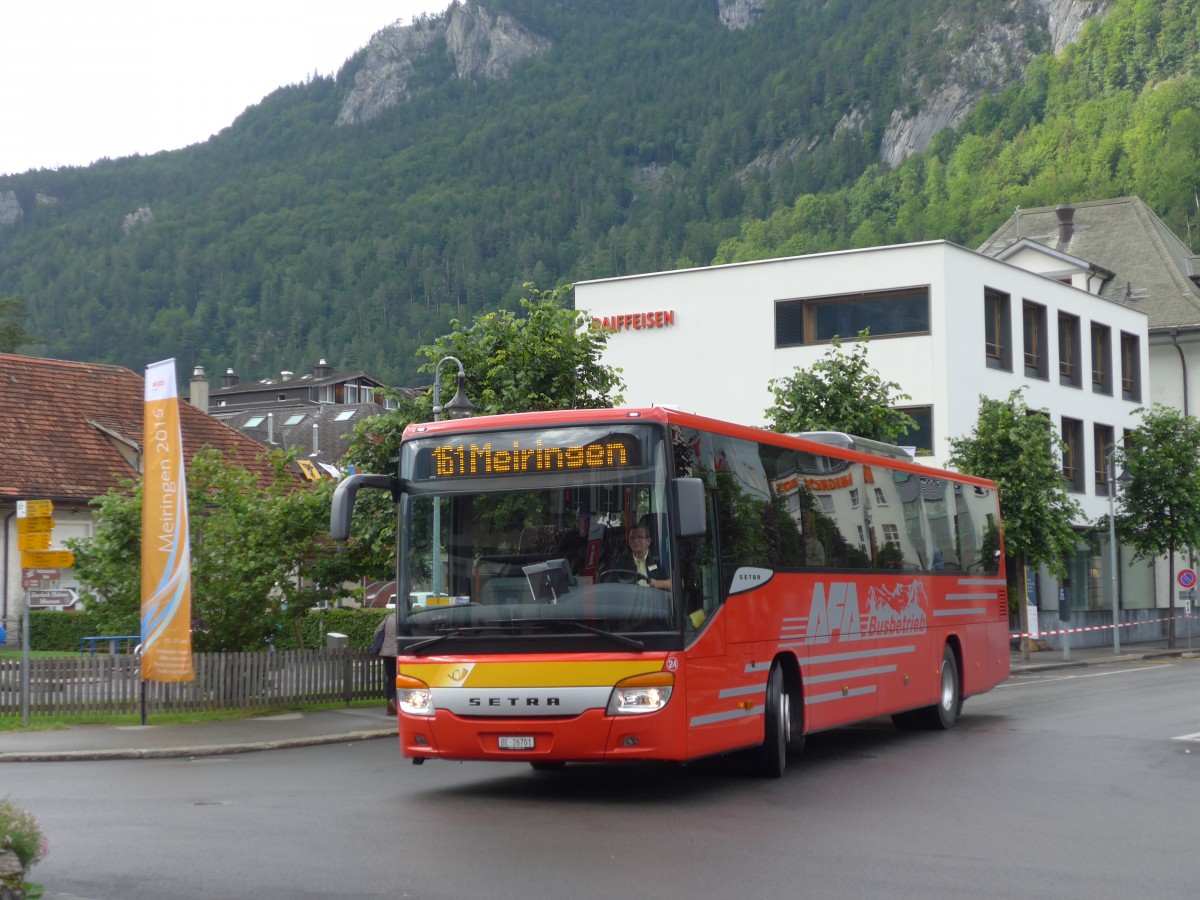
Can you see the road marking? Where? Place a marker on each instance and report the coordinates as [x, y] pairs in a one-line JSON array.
[[1048, 679], [1188, 737]]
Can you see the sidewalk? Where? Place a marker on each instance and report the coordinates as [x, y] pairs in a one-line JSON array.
[[328, 726], [1041, 660], [268, 732]]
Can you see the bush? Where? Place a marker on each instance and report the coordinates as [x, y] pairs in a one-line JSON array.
[[55, 630], [20, 833], [357, 624]]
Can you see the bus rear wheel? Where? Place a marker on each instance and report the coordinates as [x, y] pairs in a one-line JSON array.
[[942, 715], [770, 759]]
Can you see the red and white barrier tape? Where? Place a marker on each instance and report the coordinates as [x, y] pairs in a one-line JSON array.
[[1038, 634]]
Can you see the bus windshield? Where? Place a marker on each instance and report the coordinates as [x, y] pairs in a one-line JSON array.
[[511, 539]]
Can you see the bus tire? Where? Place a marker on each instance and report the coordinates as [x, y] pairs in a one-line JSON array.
[[770, 759], [943, 714]]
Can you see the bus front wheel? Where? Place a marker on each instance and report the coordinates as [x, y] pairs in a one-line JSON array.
[[770, 760]]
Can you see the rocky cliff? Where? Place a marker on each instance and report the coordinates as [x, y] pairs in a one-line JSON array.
[[991, 59], [477, 43]]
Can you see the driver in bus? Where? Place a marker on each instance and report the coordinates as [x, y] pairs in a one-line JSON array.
[[638, 559]]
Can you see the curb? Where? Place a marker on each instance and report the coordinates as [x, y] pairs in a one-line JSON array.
[[199, 750]]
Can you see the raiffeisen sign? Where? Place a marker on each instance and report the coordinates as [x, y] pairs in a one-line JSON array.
[[659, 318]]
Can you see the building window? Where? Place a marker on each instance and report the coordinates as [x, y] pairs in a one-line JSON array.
[[254, 421], [1033, 318], [1069, 371], [345, 414], [1101, 359], [1131, 368], [294, 419], [1072, 434], [997, 330], [1102, 448], [854, 500], [921, 437], [819, 319], [350, 393]]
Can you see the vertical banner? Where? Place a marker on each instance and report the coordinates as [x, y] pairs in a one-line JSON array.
[[166, 555]]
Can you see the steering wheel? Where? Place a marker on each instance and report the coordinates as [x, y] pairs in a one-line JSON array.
[[619, 576]]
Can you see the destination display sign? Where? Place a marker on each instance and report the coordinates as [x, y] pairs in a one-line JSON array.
[[527, 454]]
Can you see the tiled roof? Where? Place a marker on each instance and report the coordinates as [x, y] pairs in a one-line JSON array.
[[64, 425], [1151, 266], [290, 426]]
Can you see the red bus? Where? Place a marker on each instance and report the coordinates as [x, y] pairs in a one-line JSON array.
[[793, 584]]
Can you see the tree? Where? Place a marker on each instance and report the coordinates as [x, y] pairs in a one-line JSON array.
[[839, 392], [1160, 506], [257, 552], [547, 359], [13, 335], [1022, 454]]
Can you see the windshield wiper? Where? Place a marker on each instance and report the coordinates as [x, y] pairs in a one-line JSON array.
[[501, 627], [583, 626], [437, 639]]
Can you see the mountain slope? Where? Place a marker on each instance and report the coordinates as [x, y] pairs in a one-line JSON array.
[[639, 136]]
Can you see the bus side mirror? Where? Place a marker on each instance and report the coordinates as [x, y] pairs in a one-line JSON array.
[[690, 507], [343, 500]]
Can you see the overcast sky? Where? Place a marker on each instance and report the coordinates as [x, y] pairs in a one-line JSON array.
[[81, 80]]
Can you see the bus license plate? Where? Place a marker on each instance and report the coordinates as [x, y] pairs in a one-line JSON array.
[[517, 742]]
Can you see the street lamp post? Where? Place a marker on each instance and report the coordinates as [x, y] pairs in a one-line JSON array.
[[459, 407], [1112, 544]]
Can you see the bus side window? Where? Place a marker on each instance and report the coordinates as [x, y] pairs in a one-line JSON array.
[[698, 558]]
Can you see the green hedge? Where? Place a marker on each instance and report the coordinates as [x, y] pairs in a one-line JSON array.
[[357, 624], [61, 630]]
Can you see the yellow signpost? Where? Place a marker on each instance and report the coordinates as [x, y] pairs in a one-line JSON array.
[[36, 541], [47, 559], [35, 525], [34, 509]]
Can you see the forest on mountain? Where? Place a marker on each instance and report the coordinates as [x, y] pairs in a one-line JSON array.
[[649, 137]]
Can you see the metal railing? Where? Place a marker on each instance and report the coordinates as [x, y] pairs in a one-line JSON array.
[[104, 684]]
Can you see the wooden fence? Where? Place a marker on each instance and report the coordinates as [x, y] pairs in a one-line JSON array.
[[103, 684]]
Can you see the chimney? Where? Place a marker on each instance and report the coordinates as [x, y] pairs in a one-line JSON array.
[[285, 375], [322, 370], [316, 450], [270, 428], [198, 393], [1066, 224], [229, 379]]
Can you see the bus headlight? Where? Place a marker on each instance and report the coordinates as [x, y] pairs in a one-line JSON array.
[[641, 694], [413, 696]]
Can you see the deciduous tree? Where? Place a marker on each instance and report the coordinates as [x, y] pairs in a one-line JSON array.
[[1022, 454], [839, 392], [1160, 506]]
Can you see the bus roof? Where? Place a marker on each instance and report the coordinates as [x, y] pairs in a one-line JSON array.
[[823, 443]]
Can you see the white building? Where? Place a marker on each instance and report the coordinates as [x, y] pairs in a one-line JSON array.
[[947, 324]]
